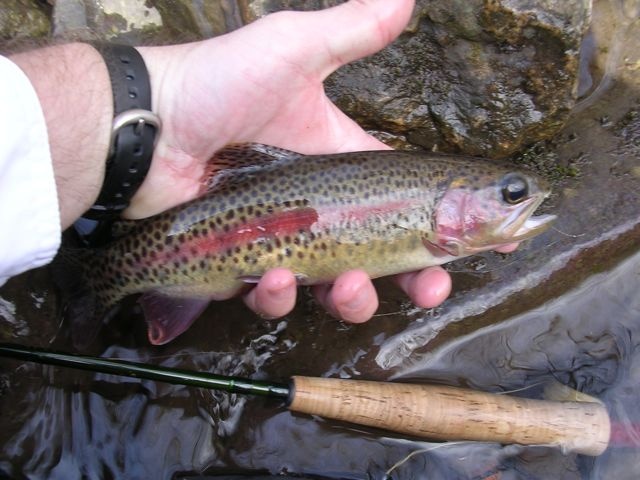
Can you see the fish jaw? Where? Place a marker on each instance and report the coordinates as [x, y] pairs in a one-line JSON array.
[[468, 222], [524, 225]]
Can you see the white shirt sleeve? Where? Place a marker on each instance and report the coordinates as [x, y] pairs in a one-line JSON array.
[[29, 213]]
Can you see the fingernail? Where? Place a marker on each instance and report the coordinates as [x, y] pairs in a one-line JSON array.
[[280, 292], [356, 302]]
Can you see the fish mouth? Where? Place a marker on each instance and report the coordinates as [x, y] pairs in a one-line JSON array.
[[522, 225]]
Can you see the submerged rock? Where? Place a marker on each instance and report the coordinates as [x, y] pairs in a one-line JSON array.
[[482, 77]]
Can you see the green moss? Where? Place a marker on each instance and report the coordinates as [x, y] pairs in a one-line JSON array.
[[22, 19], [541, 158]]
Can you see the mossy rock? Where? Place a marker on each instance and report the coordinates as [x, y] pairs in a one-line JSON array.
[[21, 19]]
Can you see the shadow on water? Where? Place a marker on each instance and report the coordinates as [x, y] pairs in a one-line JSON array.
[[564, 306]]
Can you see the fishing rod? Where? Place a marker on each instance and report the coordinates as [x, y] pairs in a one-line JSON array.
[[428, 411]]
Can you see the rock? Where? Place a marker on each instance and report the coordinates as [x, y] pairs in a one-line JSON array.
[[139, 21], [132, 21], [23, 19], [199, 19], [482, 77]]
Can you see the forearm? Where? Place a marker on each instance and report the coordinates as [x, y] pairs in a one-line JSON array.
[[74, 90]]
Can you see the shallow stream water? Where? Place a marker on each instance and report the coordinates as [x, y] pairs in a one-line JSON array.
[[62, 424]]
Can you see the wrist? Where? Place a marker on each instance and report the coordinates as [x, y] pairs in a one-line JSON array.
[[73, 87], [134, 131], [176, 167]]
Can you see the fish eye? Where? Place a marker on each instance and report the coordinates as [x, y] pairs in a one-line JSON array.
[[514, 189]]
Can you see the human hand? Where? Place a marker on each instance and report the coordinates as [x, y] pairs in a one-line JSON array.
[[263, 83]]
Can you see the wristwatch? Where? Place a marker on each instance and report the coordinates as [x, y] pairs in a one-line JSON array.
[[134, 132]]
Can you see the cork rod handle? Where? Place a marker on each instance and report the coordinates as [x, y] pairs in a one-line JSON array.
[[448, 413]]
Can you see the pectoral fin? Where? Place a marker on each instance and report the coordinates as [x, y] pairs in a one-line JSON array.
[[167, 317]]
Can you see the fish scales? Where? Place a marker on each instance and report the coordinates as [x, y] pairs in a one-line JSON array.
[[257, 222], [320, 215]]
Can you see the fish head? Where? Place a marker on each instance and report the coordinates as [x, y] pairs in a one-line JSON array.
[[488, 207]]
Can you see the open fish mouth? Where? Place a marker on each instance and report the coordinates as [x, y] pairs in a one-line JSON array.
[[522, 225]]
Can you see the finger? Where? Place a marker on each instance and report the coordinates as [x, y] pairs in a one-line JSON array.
[[343, 33], [275, 294], [359, 28], [427, 288], [351, 298], [508, 248]]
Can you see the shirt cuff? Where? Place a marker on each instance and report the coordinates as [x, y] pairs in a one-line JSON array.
[[30, 229]]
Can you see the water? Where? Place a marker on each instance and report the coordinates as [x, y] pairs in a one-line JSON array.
[[67, 425]]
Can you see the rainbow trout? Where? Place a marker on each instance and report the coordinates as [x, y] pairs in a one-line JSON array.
[[385, 212]]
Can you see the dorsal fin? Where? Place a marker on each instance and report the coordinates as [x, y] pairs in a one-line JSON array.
[[241, 158]]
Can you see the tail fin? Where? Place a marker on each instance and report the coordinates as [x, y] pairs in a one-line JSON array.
[[84, 308]]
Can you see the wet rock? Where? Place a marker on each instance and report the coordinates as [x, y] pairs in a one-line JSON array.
[[199, 19], [23, 19], [105, 20], [141, 21], [481, 77]]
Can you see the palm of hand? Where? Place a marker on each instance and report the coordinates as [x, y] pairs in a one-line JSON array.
[[272, 94]]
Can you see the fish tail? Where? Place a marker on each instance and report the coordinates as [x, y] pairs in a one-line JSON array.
[[88, 298]]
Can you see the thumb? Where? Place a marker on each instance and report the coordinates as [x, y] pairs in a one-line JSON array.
[[347, 32]]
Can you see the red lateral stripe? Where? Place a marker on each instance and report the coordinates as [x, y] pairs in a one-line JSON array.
[[331, 216], [278, 224]]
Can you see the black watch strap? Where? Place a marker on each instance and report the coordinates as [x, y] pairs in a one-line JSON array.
[[135, 129]]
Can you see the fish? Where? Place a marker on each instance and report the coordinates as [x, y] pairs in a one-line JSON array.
[[385, 212]]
